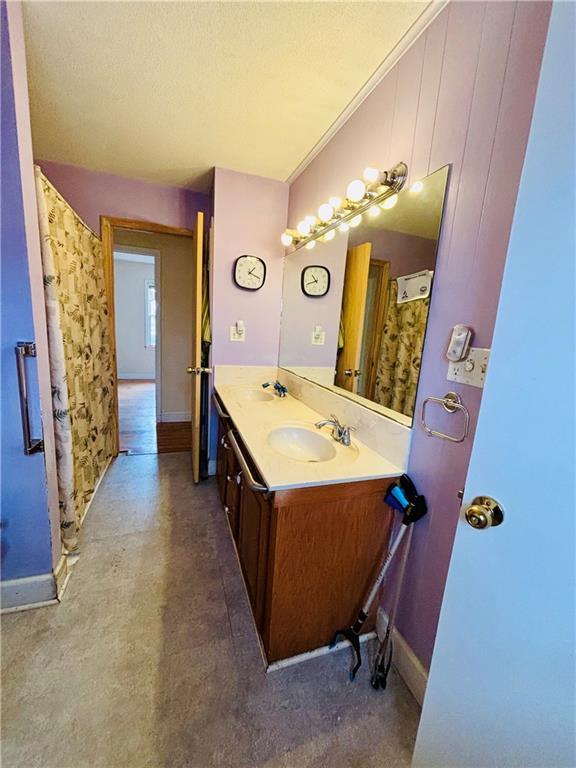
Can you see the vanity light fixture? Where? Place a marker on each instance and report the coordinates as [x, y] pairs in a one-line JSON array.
[[374, 211], [355, 191], [310, 244], [390, 202], [325, 212], [379, 188], [418, 186], [303, 228]]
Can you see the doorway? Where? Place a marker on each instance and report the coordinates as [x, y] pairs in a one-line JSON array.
[[164, 314], [136, 288]]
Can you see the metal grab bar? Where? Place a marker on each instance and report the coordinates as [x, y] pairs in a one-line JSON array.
[[451, 402], [219, 411], [24, 349], [252, 483]]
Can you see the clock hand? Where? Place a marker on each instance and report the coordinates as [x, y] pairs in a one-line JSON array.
[[312, 282]]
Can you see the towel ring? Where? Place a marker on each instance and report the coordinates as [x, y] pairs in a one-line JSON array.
[[451, 402]]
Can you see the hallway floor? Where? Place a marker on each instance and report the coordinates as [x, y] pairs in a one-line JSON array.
[[137, 415], [152, 660]]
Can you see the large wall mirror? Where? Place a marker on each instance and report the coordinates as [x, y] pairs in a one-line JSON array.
[[355, 308]]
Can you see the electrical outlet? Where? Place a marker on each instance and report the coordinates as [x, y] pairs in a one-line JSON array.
[[471, 371], [318, 339], [237, 334]]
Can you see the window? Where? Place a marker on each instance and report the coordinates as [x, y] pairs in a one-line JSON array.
[[150, 310]]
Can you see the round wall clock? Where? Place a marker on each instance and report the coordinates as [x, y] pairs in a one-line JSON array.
[[249, 272], [315, 280]]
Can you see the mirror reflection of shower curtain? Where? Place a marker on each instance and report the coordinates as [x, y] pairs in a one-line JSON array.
[[81, 368], [401, 353]]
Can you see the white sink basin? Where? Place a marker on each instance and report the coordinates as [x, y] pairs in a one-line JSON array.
[[301, 444], [255, 395]]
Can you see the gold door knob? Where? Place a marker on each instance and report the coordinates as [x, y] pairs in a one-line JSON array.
[[484, 512], [189, 369]]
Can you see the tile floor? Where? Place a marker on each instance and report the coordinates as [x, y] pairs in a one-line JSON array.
[[152, 660]]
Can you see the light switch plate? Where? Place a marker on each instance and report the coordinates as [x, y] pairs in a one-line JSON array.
[[319, 339], [235, 336], [471, 371]]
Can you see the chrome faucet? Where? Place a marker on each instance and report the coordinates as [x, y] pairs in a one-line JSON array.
[[280, 389], [340, 433]]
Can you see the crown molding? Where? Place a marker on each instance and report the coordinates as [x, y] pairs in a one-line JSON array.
[[407, 40]]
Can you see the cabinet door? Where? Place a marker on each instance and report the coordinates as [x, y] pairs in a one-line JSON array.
[[222, 460], [253, 546], [232, 492]]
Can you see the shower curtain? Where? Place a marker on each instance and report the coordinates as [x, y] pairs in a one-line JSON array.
[[401, 352], [81, 366]]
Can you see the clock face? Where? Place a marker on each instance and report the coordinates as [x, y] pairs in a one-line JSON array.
[[315, 281], [249, 272]]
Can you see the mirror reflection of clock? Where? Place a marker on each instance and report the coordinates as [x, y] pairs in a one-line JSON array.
[[315, 280], [249, 272]]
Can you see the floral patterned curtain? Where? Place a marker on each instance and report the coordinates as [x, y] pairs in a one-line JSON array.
[[80, 359], [401, 353]]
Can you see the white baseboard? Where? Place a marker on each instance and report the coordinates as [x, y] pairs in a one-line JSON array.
[[171, 416], [407, 664], [62, 576], [136, 376], [322, 651], [29, 592]]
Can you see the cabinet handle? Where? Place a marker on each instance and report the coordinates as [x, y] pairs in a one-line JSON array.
[[253, 484], [222, 413]]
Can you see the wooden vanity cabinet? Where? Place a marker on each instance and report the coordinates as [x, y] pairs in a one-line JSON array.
[[227, 477], [325, 547], [308, 555], [253, 535]]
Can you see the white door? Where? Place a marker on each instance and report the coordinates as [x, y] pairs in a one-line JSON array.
[[502, 680]]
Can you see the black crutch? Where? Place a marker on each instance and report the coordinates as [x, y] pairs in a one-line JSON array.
[[403, 497]]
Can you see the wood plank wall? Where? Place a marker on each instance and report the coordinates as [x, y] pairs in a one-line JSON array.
[[462, 94]]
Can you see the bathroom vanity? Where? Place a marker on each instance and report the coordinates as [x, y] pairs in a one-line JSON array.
[[310, 532], [306, 510]]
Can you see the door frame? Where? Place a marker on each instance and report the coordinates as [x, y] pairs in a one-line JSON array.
[[107, 226]]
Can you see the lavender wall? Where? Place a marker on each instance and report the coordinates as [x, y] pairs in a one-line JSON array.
[[26, 536], [93, 194], [249, 216], [462, 94], [301, 313]]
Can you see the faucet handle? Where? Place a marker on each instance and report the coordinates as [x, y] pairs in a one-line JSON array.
[[335, 419]]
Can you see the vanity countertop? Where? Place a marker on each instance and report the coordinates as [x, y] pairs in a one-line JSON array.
[[256, 419]]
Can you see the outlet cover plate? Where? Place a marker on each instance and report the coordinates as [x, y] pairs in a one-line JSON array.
[[235, 336], [472, 370], [318, 339]]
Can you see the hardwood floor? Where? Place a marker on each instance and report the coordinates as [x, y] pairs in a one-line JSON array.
[[137, 411]]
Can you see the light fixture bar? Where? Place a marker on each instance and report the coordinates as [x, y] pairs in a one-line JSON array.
[[393, 180]]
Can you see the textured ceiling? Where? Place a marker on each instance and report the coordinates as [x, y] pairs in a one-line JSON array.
[[165, 91]]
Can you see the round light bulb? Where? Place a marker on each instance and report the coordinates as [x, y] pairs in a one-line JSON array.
[[418, 186], [286, 239], [310, 245], [330, 235], [311, 220], [371, 175], [343, 227], [374, 211], [303, 228], [356, 220], [356, 190], [325, 212], [390, 202], [335, 202]]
